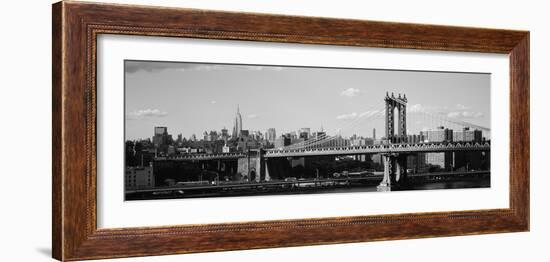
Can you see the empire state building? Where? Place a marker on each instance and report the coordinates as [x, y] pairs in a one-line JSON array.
[[238, 125]]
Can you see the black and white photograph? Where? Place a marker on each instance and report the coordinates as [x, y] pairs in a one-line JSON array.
[[195, 130]]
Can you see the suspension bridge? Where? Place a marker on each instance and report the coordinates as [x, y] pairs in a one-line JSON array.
[[394, 148]]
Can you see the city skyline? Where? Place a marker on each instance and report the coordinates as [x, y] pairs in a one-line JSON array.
[[158, 94], [271, 134], [287, 130]]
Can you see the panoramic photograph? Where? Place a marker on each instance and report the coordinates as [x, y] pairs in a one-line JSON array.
[[195, 130]]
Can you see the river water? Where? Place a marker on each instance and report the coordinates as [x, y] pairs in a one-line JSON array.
[[478, 183]]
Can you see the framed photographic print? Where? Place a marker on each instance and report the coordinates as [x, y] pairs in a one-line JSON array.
[[183, 130]]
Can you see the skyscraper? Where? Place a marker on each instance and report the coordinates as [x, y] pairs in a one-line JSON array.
[[304, 133], [160, 137], [224, 134], [161, 130], [238, 124], [271, 135]]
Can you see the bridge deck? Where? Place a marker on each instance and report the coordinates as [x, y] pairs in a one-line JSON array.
[[346, 150], [377, 149]]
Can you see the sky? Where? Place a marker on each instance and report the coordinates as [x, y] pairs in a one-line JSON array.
[[190, 98]]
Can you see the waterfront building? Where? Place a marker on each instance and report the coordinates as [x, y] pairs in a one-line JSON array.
[[369, 141], [171, 150], [139, 177], [415, 139], [224, 135], [468, 135], [417, 163], [319, 135], [440, 134], [225, 148], [282, 141], [443, 160], [360, 141]]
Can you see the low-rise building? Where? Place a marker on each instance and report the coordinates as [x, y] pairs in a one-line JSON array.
[[468, 135], [440, 134], [139, 178]]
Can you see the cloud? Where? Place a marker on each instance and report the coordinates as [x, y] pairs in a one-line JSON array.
[[416, 108], [350, 92], [136, 66], [347, 116], [355, 115], [419, 108], [258, 68], [462, 107], [146, 113], [213, 67], [252, 116], [457, 111], [465, 114], [152, 66]]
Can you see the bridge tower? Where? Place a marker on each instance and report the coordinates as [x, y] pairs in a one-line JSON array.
[[395, 165], [392, 103], [254, 165]]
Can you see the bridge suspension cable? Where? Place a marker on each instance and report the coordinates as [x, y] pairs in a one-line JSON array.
[[436, 119], [348, 125], [371, 112], [456, 121], [429, 119]]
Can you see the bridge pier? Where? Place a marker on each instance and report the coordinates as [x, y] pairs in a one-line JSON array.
[[401, 169], [385, 185], [254, 167], [395, 171], [261, 166], [267, 177]]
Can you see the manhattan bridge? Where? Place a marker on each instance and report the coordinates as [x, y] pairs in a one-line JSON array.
[[394, 149]]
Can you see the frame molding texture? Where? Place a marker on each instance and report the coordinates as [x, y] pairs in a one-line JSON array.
[[75, 27]]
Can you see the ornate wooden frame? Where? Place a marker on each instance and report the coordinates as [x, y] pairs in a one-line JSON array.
[[76, 26]]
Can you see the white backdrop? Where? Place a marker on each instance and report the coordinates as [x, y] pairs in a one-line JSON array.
[[25, 222]]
